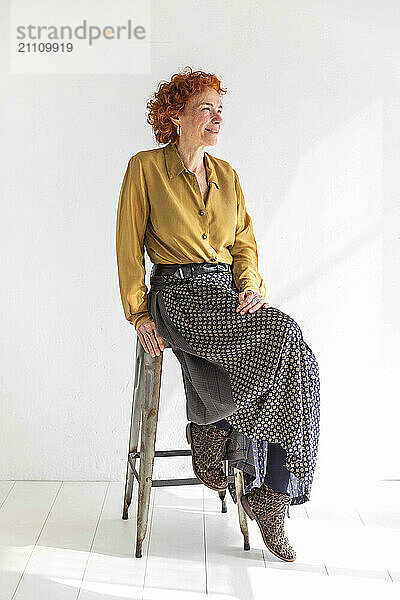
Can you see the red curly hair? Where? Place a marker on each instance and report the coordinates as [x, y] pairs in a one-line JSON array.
[[171, 97]]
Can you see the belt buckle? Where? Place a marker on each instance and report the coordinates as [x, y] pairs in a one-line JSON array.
[[179, 273]]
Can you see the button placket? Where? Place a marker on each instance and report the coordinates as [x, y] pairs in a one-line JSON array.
[[203, 212]]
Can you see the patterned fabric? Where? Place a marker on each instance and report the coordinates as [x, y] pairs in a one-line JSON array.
[[268, 508], [269, 375]]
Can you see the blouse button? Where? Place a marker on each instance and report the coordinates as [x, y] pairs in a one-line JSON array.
[[204, 236], [201, 212]]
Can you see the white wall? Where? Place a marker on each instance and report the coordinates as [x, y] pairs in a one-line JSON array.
[[312, 126]]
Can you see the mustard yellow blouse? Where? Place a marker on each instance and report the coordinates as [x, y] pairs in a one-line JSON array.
[[161, 207]]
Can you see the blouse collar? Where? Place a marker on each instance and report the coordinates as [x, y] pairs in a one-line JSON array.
[[175, 164]]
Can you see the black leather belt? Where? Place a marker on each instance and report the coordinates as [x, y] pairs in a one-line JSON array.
[[185, 270]]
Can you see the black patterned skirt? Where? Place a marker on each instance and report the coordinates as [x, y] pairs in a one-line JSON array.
[[254, 370]]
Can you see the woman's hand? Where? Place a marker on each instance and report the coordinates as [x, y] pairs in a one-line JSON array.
[[250, 300], [150, 339]]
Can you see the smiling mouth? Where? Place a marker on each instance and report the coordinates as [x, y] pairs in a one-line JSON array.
[[210, 130]]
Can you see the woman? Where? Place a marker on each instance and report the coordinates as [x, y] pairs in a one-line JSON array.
[[249, 377]]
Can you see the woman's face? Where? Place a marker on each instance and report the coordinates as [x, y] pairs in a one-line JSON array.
[[201, 118]]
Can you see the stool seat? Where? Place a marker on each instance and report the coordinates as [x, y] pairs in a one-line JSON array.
[[144, 419]]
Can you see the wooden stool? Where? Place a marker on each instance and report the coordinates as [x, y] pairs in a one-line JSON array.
[[144, 418]]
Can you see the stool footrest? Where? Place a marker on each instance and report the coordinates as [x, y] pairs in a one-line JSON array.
[[160, 453], [188, 481]]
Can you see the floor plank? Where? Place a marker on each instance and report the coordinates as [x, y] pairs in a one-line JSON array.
[[23, 513], [346, 546], [232, 572], [58, 561], [176, 563], [5, 489], [113, 572]]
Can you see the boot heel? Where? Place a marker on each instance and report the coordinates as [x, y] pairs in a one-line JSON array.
[[247, 508], [188, 436]]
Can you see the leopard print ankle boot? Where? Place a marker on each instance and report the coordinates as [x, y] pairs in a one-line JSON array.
[[208, 448], [268, 508]]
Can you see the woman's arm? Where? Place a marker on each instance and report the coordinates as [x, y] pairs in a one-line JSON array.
[[244, 249], [132, 216]]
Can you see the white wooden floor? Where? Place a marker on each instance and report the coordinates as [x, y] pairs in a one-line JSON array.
[[66, 540]]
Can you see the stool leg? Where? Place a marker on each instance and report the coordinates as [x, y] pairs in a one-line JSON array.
[[222, 494], [135, 427], [150, 404], [239, 487]]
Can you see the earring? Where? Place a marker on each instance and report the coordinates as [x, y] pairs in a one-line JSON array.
[[178, 130]]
